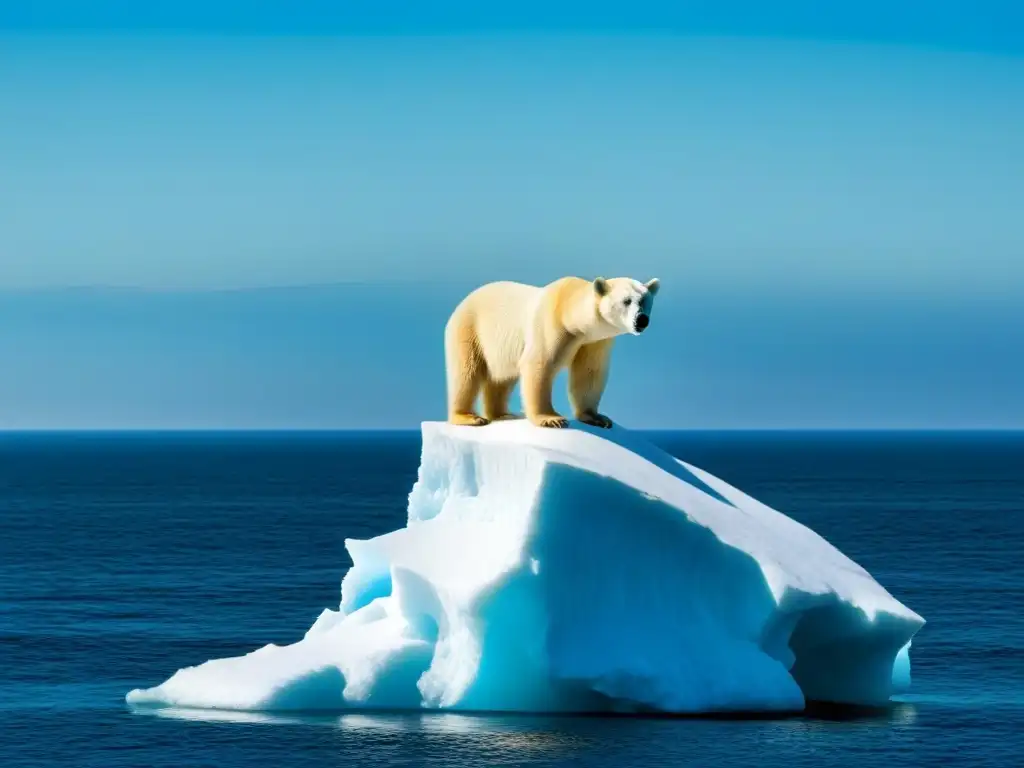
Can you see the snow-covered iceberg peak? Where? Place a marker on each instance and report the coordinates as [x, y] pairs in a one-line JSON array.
[[580, 570]]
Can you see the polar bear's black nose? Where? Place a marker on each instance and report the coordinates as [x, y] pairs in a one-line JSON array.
[[642, 321]]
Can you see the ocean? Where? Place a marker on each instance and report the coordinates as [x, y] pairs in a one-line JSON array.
[[124, 557]]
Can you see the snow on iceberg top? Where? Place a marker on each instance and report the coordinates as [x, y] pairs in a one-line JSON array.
[[579, 570], [793, 558]]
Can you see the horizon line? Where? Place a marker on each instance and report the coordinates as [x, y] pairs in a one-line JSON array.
[[5, 432]]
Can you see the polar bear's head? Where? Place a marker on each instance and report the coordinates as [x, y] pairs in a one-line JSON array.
[[626, 304]]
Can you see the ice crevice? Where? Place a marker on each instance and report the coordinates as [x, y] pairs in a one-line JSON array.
[[579, 570]]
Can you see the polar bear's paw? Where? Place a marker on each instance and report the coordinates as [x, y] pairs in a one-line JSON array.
[[468, 420], [596, 420], [551, 420], [505, 417]]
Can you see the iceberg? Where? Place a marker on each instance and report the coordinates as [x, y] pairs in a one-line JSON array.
[[576, 570]]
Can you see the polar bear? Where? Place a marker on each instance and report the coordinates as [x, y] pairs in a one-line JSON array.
[[505, 332]]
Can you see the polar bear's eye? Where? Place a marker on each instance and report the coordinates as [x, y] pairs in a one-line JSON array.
[[627, 302]]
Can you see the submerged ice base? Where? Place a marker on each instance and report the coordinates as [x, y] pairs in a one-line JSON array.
[[580, 570]]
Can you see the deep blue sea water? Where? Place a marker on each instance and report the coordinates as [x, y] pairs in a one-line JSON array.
[[125, 557]]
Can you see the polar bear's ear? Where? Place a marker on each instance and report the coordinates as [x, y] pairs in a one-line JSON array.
[[652, 286], [601, 286]]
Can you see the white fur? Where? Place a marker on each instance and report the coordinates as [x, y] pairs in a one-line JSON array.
[[626, 299], [506, 332]]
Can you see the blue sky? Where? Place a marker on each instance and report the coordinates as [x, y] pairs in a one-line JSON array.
[[831, 198], [985, 25]]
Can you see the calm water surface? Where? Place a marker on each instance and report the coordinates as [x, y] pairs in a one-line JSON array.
[[126, 557]]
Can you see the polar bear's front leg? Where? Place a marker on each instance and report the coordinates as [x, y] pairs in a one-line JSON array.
[[536, 380], [588, 375]]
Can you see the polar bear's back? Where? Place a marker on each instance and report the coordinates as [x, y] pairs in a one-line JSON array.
[[506, 293], [497, 315]]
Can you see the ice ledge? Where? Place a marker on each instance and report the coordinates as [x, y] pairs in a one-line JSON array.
[[791, 555], [583, 570]]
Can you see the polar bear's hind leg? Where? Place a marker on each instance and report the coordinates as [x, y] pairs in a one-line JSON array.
[[496, 395], [466, 373]]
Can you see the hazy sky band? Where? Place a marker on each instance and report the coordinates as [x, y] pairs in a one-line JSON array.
[[371, 357]]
